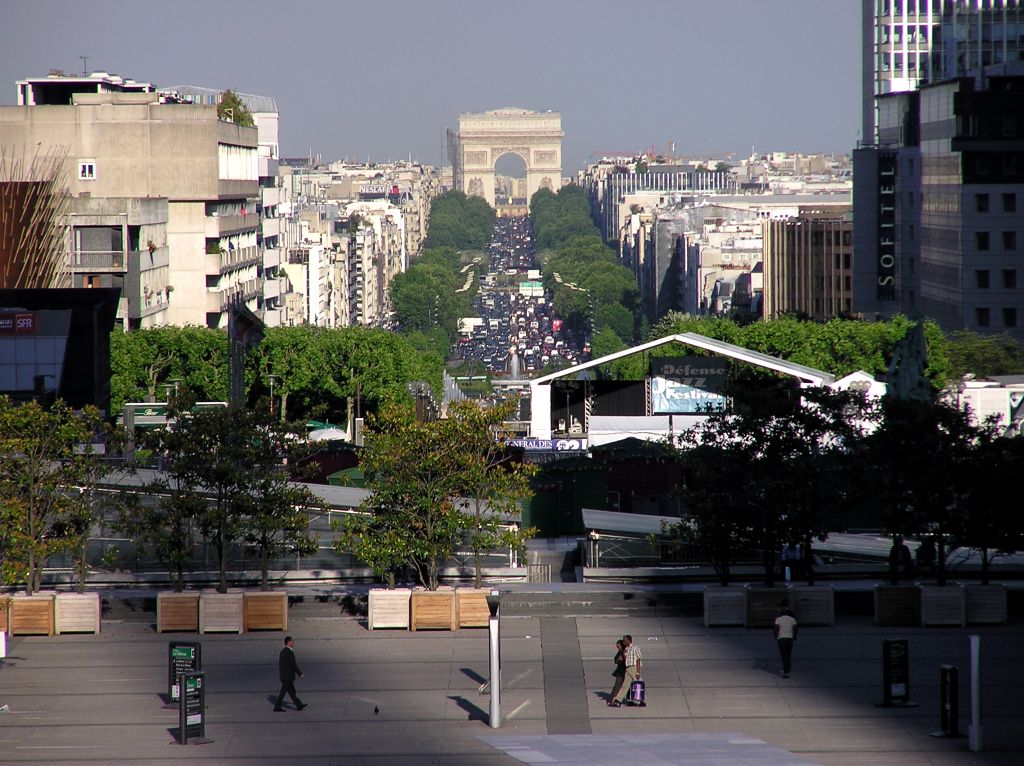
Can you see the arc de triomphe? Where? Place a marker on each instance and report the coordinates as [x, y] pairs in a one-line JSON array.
[[484, 137]]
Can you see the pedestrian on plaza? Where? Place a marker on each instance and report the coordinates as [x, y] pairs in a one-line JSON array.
[[288, 669], [620, 669], [785, 634], [634, 661]]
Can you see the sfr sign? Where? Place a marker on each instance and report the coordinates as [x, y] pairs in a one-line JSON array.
[[17, 323]]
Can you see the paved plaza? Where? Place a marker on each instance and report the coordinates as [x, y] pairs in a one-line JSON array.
[[715, 696]]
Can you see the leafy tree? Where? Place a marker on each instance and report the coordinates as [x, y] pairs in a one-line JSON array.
[[47, 477], [459, 222], [992, 524], [488, 474], [758, 476], [233, 109], [715, 509], [411, 469], [277, 517], [919, 473], [228, 466], [984, 355], [162, 520]]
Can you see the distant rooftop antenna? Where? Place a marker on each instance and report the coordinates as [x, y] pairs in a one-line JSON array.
[[85, 65]]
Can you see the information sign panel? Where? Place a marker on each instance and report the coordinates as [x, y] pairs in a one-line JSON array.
[[192, 707], [182, 657], [896, 672]]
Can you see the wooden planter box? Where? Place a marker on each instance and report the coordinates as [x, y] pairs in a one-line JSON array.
[[177, 611], [764, 605], [897, 605], [31, 615], [5, 605], [266, 610], [813, 604], [388, 608], [221, 612], [724, 605], [986, 604], [943, 605], [471, 605], [432, 610], [76, 613]]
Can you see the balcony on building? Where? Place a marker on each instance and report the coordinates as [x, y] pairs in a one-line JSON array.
[[271, 257]]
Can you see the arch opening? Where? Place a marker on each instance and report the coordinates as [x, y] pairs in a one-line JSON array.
[[510, 179]]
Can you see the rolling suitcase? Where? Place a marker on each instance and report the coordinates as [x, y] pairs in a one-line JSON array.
[[638, 692]]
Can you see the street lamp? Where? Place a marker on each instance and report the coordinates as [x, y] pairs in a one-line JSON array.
[[494, 635], [272, 378]]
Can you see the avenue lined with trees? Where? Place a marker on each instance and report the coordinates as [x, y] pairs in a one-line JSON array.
[[778, 468]]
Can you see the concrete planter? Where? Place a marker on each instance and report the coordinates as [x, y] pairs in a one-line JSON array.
[[986, 604], [388, 608], [764, 604], [724, 605], [813, 604], [221, 612], [471, 606], [266, 610], [943, 605], [76, 613], [177, 612], [31, 615], [432, 610], [897, 605]]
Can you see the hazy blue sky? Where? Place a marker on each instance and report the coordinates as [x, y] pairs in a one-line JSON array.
[[382, 78]]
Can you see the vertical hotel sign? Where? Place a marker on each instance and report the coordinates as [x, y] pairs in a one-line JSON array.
[[886, 286]]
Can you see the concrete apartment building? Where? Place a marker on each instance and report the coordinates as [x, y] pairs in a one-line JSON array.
[[374, 218], [808, 264], [163, 195], [272, 203]]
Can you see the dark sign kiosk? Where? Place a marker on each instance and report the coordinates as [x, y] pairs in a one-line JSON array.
[[192, 708], [182, 657]]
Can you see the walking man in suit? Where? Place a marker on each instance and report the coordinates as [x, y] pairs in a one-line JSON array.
[[288, 668]]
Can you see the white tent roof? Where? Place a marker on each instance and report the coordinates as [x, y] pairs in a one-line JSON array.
[[731, 350]]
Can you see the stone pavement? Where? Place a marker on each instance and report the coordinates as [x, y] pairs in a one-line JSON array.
[[715, 696]]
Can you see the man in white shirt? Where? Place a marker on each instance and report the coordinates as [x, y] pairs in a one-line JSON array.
[[785, 634], [634, 661]]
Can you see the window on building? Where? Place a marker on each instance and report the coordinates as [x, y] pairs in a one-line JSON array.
[[1009, 278], [847, 238], [87, 170], [1010, 203], [981, 240], [1010, 316], [981, 278], [847, 261], [981, 203], [1009, 241], [982, 316]]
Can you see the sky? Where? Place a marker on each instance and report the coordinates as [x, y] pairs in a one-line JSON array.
[[382, 79]]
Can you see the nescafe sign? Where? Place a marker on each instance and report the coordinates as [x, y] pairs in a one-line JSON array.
[[13, 324]]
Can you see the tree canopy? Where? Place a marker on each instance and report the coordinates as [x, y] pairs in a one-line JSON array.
[[47, 475], [232, 109], [314, 369], [459, 222]]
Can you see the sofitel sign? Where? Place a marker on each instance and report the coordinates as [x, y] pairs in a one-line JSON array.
[[886, 287]]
